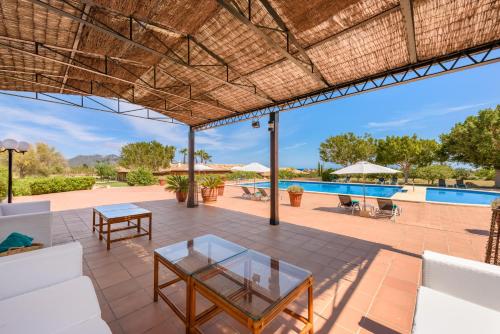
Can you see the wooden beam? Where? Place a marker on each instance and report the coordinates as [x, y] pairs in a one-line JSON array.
[[192, 186], [407, 11], [274, 218], [270, 42], [76, 42]]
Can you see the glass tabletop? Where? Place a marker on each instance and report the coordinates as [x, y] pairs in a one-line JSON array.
[[120, 210], [252, 282], [196, 254], [113, 207]]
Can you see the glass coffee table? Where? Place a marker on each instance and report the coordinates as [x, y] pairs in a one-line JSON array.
[[254, 289], [120, 213], [186, 258]]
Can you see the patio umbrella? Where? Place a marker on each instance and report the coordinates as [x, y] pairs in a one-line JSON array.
[[365, 167], [253, 167]]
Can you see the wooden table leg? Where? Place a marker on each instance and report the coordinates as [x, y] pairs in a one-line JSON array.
[[108, 241], [190, 305], [150, 226], [138, 225], [155, 284], [93, 221], [310, 310], [100, 227]]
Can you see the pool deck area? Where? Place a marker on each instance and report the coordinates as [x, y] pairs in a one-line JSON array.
[[412, 194], [366, 271]]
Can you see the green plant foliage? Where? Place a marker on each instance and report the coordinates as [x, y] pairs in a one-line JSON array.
[[462, 173], [41, 160], [485, 173], [295, 189], [211, 181], [177, 183], [434, 172], [347, 148], [60, 184], [202, 156], [286, 174], [327, 175], [151, 155], [141, 177], [237, 175], [105, 171], [3, 183]]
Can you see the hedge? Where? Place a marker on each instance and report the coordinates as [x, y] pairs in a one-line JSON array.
[[60, 184], [141, 177]]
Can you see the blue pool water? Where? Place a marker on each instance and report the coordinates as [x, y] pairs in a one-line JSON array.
[[460, 196], [336, 188]]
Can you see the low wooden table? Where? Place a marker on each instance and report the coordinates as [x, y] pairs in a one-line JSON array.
[[120, 213], [252, 288], [186, 258]]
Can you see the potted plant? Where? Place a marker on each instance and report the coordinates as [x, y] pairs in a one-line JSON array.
[[162, 181], [178, 184], [220, 188], [295, 192], [209, 185]]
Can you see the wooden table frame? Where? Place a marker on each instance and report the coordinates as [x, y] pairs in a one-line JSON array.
[[181, 276], [256, 326], [106, 234]]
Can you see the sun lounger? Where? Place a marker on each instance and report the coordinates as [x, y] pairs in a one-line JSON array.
[[264, 196], [347, 202], [460, 183], [381, 180], [247, 194], [442, 183], [394, 181], [347, 179], [387, 208]]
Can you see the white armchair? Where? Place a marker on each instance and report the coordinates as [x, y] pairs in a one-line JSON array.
[[44, 292], [31, 218], [457, 296]]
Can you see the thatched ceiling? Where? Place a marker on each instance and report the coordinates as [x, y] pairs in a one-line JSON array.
[[198, 61]]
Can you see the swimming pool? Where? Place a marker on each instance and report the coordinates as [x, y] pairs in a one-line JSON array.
[[336, 188], [460, 196]]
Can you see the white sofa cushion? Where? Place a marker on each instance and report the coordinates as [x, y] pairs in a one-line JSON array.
[[10, 209], [439, 313], [25, 272], [92, 326], [51, 310]]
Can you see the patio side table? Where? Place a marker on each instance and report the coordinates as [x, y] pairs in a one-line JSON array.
[[120, 213], [254, 289], [186, 258]]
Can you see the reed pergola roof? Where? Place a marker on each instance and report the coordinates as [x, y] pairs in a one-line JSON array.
[[201, 61]]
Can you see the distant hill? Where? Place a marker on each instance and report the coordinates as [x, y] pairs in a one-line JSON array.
[[91, 160]]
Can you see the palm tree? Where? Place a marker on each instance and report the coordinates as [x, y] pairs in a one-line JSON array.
[[203, 156], [184, 153]]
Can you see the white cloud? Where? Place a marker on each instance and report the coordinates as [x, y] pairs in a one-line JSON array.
[[466, 107], [294, 146], [388, 124]]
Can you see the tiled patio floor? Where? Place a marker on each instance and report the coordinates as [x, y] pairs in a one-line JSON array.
[[366, 271]]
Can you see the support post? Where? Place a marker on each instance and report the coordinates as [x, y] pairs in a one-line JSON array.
[[9, 190], [273, 131], [192, 189]]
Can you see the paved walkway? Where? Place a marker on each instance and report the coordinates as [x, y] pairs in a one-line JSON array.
[[366, 271]]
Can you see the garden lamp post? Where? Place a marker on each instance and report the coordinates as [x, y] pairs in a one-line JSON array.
[[11, 146]]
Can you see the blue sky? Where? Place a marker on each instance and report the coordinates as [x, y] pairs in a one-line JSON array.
[[427, 108]]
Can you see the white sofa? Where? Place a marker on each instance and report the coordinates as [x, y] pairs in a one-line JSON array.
[[31, 218], [457, 296], [44, 292]]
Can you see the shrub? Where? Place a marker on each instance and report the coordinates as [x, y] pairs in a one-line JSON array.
[[461, 173], [22, 187], [328, 176], [295, 189], [3, 183], [60, 184], [485, 173], [286, 174], [243, 175], [140, 177]]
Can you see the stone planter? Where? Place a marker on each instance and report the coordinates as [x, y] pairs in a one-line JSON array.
[[181, 196], [220, 190], [209, 194], [295, 199], [162, 182]]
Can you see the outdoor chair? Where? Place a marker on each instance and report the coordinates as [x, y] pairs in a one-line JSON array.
[[347, 202], [394, 181], [460, 183], [381, 180], [387, 208], [442, 183], [264, 196], [347, 179], [247, 194]]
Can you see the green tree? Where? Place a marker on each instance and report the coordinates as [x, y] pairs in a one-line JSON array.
[[105, 170], [476, 141], [406, 152], [140, 177], [461, 173], [151, 155], [434, 172], [184, 153], [40, 159], [203, 156], [347, 148]]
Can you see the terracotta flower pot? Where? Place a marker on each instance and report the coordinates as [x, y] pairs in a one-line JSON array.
[[162, 182], [209, 194], [220, 190], [295, 199], [181, 196]]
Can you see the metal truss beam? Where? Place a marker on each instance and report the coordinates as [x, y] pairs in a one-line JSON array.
[[235, 12], [46, 97], [407, 11], [477, 56]]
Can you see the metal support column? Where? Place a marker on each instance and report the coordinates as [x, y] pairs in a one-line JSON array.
[[273, 131], [192, 187], [9, 189]]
